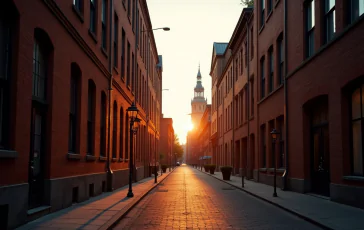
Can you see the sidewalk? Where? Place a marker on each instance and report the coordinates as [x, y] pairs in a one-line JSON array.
[[99, 212], [320, 211]]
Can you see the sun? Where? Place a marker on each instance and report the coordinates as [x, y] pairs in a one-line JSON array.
[[190, 127]]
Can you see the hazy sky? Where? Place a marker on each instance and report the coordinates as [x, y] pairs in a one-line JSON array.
[[195, 25]]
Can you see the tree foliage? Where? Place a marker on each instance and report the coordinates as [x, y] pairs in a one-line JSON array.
[[249, 3], [177, 147]]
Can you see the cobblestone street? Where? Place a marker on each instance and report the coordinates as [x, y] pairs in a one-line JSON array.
[[189, 198]]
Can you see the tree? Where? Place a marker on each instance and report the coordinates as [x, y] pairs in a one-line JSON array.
[[249, 3], [177, 147]]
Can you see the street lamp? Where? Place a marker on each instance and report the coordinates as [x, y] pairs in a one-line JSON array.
[[161, 28], [134, 121], [275, 135]]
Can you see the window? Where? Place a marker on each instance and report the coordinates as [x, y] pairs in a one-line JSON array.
[[264, 146], [270, 6], [241, 61], [39, 71], [121, 133], [123, 54], [133, 17], [280, 60], [246, 103], [132, 72], [271, 69], [356, 9], [129, 8], [5, 58], [357, 124], [93, 5], [126, 136], [251, 98], [262, 12], [330, 25], [251, 44], [78, 5], [310, 28], [128, 66], [115, 130], [91, 117], [262, 77], [103, 24], [74, 107], [116, 32], [280, 142], [103, 125]]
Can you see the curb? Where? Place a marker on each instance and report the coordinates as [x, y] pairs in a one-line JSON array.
[[308, 219], [116, 218]]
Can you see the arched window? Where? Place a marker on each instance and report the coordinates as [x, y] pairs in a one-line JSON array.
[[74, 107], [103, 125], [114, 130], [39, 69], [91, 105], [121, 133], [357, 119], [126, 136]]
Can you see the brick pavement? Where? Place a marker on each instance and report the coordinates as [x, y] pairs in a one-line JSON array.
[[325, 213], [99, 212], [189, 199]]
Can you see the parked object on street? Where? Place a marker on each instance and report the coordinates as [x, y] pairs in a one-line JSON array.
[[207, 168], [212, 169], [164, 168], [178, 164], [226, 172]]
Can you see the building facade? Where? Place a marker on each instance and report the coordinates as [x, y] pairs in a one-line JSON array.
[[166, 154], [295, 68], [69, 70], [204, 133]]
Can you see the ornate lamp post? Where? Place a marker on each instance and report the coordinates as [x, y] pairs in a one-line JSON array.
[[275, 135], [134, 121]]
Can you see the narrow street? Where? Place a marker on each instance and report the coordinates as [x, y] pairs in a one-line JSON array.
[[189, 198]]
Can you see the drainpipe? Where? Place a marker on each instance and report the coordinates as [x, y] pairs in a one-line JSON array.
[[136, 23], [109, 172], [285, 178], [233, 114], [248, 101]]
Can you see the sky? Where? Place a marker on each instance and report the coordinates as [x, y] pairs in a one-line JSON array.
[[195, 25]]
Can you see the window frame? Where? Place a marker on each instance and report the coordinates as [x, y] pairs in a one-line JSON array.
[[93, 16], [91, 106], [329, 14], [74, 111], [280, 55], [262, 13], [116, 39], [353, 18], [78, 4], [262, 77], [5, 82], [352, 120], [104, 25], [310, 32], [271, 69]]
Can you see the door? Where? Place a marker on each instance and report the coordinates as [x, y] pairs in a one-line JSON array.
[[36, 160], [320, 163]]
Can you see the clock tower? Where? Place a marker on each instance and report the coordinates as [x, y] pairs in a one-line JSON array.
[[199, 102]]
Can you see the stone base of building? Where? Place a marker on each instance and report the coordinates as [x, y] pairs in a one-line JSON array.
[[59, 193], [13, 205], [299, 185], [269, 179], [349, 195]]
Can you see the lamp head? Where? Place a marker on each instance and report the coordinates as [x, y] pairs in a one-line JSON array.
[[132, 111], [166, 28], [274, 134]]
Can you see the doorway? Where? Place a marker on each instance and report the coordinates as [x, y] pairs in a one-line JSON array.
[[320, 155], [37, 159]]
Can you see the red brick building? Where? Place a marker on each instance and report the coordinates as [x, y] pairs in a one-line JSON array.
[[166, 143], [300, 73], [204, 133], [59, 119]]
